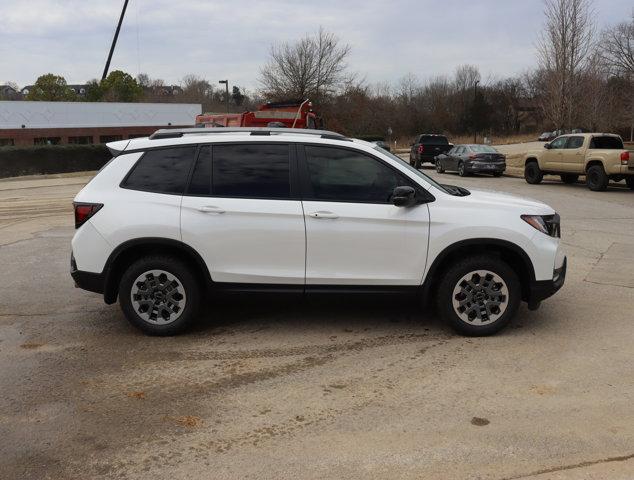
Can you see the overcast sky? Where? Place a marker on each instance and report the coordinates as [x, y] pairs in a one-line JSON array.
[[230, 39]]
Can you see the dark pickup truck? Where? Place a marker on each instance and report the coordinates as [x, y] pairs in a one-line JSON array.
[[426, 147]]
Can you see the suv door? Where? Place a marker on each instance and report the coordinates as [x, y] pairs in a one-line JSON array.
[[354, 234], [241, 214]]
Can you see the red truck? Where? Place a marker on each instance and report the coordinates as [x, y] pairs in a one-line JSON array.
[[289, 114]]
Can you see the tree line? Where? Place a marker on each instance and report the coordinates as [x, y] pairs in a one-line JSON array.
[[584, 78]]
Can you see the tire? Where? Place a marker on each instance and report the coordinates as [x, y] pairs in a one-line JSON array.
[[596, 178], [181, 301], [629, 180], [439, 167], [532, 173], [417, 163], [411, 160], [461, 171], [493, 279], [569, 178]]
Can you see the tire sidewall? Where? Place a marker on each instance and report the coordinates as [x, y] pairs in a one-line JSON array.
[[532, 173], [177, 268], [456, 272], [461, 170], [597, 179]]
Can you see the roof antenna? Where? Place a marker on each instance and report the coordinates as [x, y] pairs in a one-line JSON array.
[[114, 40]]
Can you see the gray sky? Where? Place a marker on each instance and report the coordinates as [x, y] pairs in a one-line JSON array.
[[216, 39]]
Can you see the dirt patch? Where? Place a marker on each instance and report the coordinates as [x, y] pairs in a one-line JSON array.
[[137, 395], [479, 422], [189, 421], [31, 345]]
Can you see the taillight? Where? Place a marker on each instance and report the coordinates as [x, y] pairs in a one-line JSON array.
[[83, 211], [625, 157], [421, 148]]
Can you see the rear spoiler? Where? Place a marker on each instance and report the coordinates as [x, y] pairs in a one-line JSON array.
[[117, 147]]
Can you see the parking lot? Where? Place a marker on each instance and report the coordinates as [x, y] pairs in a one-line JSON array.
[[281, 387]]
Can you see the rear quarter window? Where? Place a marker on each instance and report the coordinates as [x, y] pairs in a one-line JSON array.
[[161, 171]]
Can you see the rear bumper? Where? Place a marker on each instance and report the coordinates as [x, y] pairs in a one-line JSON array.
[[485, 169], [93, 282], [541, 290]]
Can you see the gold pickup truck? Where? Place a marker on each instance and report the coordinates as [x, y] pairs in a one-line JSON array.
[[601, 157]]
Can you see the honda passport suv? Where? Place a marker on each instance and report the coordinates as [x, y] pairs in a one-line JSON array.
[[183, 213]]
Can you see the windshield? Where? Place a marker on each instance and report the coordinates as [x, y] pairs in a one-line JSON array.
[[412, 169], [483, 149]]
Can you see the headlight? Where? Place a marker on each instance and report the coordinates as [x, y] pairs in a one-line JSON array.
[[547, 224]]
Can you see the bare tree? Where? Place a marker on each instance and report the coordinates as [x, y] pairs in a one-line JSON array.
[[564, 47], [466, 76], [313, 67], [617, 48]]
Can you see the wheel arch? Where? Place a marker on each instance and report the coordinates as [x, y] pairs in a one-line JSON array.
[[531, 159], [511, 253], [129, 251], [594, 161]]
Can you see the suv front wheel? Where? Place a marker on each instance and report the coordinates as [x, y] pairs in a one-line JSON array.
[[479, 295], [159, 295]]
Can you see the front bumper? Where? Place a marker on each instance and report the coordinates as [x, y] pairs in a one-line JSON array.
[[541, 290]]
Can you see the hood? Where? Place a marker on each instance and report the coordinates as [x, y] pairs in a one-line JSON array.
[[528, 205]]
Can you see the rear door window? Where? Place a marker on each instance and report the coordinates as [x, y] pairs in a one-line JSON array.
[[251, 171], [162, 171], [574, 142], [200, 183]]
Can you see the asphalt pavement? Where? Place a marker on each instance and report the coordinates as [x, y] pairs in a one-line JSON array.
[[280, 387]]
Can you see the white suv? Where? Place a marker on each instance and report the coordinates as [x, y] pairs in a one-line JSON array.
[[184, 212]]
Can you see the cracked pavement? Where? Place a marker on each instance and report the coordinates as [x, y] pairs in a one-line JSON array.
[[279, 387]]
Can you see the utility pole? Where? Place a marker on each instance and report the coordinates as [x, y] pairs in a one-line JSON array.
[[475, 96], [114, 40], [226, 82]]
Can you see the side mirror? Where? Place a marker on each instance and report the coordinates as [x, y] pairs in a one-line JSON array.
[[547, 146], [404, 196]]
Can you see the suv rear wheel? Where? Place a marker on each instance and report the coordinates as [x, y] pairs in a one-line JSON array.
[[479, 295], [596, 178], [532, 173], [159, 295], [629, 180]]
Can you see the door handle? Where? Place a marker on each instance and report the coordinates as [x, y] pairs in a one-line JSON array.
[[210, 209], [323, 214]]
